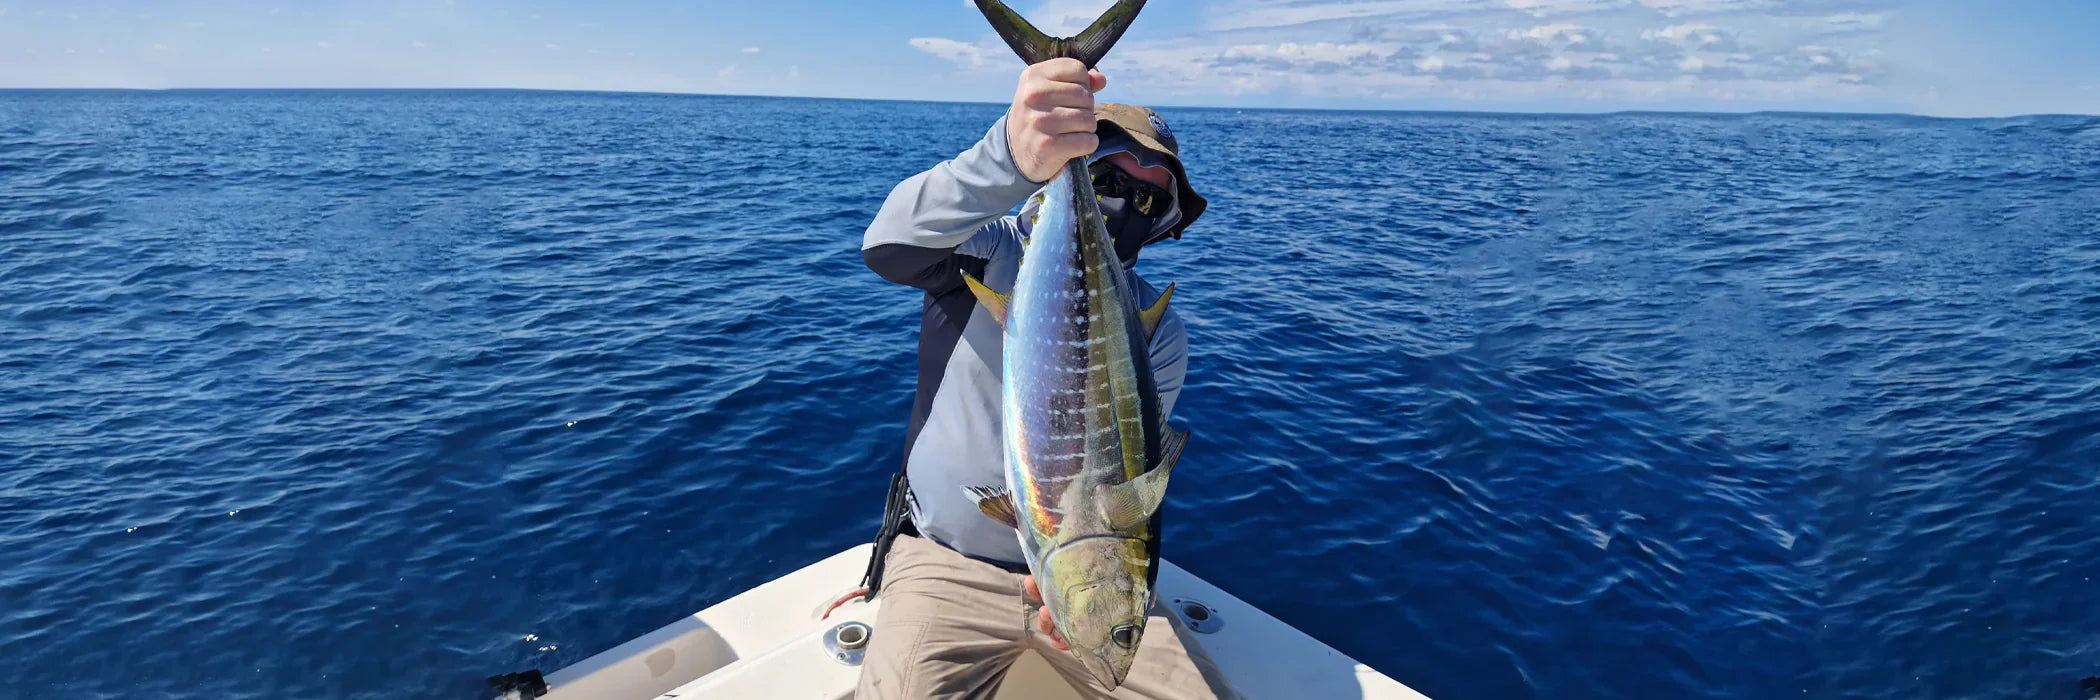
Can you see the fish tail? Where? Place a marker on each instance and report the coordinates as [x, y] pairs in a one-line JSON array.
[[1033, 46]]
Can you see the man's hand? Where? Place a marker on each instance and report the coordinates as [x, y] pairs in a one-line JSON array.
[[1052, 118], [1042, 615]]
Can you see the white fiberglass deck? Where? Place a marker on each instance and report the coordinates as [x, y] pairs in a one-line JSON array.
[[769, 642]]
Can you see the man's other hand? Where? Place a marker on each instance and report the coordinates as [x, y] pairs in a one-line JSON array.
[[1042, 614], [1052, 117]]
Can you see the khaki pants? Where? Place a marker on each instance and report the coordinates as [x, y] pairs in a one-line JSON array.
[[950, 626]]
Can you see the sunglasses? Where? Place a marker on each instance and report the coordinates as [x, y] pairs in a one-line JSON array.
[[1111, 181]]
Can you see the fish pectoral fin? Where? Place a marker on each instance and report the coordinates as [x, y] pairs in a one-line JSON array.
[[993, 302], [1128, 505], [995, 502], [1033, 46], [1152, 316]]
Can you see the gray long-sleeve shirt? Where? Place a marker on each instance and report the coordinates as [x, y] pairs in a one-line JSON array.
[[935, 226]]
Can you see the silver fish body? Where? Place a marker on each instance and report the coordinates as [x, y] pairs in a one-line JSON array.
[[1082, 416], [1088, 452]]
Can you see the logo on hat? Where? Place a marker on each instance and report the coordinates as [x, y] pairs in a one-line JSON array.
[[1160, 125]]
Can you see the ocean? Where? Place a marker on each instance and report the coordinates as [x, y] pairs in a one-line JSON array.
[[373, 394]]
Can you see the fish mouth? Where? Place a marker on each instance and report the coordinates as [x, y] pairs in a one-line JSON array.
[[1107, 667]]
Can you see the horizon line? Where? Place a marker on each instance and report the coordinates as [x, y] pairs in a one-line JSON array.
[[1392, 110]]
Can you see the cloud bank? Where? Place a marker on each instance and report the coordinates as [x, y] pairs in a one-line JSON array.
[[1569, 50]]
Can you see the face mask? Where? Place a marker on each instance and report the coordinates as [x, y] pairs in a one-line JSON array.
[[1133, 208], [1129, 229]]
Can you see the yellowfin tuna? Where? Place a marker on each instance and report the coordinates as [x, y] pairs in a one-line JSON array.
[[1088, 451]]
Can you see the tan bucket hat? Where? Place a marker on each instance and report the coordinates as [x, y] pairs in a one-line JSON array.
[[1154, 144]]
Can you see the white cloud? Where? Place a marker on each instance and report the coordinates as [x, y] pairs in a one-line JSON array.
[[1704, 7], [322, 44], [1494, 49], [1547, 8], [1850, 22], [554, 47], [964, 54], [1286, 14], [751, 49], [160, 47], [1562, 34], [417, 44], [1687, 34], [727, 73], [1322, 51]]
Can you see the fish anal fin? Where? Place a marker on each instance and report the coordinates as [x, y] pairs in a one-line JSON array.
[[1151, 317], [993, 302], [995, 502]]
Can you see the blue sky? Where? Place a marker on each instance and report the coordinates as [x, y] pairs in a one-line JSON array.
[[1936, 57]]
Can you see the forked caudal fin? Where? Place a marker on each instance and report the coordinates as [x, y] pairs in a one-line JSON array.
[[1036, 47]]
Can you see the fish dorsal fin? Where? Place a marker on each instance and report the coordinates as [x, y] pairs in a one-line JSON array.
[[993, 302], [995, 502], [1130, 504], [1033, 46], [1151, 316]]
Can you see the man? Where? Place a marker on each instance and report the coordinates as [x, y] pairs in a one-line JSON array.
[[958, 607]]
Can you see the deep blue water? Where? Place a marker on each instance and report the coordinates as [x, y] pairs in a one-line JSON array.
[[344, 394]]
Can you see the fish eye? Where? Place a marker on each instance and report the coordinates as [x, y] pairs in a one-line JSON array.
[[1124, 635]]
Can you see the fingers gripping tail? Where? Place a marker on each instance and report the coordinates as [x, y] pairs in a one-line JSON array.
[[1036, 47]]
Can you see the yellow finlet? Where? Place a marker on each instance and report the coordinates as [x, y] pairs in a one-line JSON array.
[[1151, 317], [993, 302]]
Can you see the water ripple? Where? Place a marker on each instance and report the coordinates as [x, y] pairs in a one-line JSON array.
[[345, 394]]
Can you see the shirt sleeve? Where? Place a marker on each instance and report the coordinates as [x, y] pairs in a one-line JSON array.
[[929, 215]]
